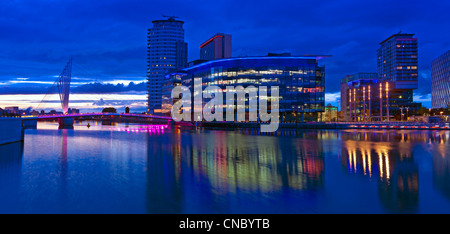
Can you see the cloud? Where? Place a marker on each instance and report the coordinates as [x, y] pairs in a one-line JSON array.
[[47, 87], [109, 88], [332, 97], [100, 102], [425, 99]]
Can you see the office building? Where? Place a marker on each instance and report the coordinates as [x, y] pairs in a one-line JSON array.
[[440, 81], [397, 64], [171, 80], [167, 51], [360, 97], [330, 114], [12, 109], [300, 79], [216, 47]]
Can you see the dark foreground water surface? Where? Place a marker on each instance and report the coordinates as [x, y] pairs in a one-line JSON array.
[[155, 169]]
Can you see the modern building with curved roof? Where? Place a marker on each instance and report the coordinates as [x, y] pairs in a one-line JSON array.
[[300, 79]]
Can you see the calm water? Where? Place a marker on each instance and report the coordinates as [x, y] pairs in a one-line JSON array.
[[153, 169]]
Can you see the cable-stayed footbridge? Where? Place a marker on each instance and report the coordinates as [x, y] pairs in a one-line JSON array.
[[66, 120]]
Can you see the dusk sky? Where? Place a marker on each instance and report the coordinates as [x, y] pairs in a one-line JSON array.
[[108, 40]]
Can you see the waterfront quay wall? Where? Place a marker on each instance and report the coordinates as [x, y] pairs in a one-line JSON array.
[[11, 130], [233, 125], [330, 125]]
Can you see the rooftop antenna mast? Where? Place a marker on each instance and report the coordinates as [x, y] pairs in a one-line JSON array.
[[171, 17]]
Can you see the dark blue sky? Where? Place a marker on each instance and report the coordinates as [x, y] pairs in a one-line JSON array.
[[107, 39]]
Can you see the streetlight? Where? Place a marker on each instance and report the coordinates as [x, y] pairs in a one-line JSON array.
[[407, 110], [401, 116], [381, 102], [387, 101]]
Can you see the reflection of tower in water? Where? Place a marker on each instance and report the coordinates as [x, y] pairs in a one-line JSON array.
[[164, 194], [441, 164], [63, 168], [391, 162]]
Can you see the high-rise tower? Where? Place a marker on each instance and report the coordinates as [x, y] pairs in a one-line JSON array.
[[397, 64], [167, 51]]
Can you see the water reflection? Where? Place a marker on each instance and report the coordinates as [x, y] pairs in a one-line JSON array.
[[220, 164], [441, 167], [389, 158], [164, 169], [10, 175], [217, 164]]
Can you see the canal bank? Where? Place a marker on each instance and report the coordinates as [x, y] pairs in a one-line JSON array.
[[11, 130], [329, 125]]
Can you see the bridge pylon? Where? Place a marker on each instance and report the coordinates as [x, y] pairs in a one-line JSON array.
[[63, 83]]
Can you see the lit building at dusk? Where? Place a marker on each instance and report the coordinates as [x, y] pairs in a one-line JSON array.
[[360, 97], [331, 113], [166, 51], [440, 81], [171, 80], [300, 79], [397, 63]]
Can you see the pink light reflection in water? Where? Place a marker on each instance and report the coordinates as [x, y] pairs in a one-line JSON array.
[[151, 129]]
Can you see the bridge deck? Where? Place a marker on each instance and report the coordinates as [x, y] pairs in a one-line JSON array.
[[95, 114]]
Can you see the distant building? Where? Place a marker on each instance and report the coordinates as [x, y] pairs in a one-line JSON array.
[[360, 97], [109, 110], [440, 81], [12, 109], [216, 47], [397, 64], [167, 51], [73, 111], [331, 113]]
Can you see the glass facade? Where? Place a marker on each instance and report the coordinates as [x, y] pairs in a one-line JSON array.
[[440, 81], [170, 81], [301, 81]]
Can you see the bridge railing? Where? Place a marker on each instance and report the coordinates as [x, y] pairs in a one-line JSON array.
[[96, 114]]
